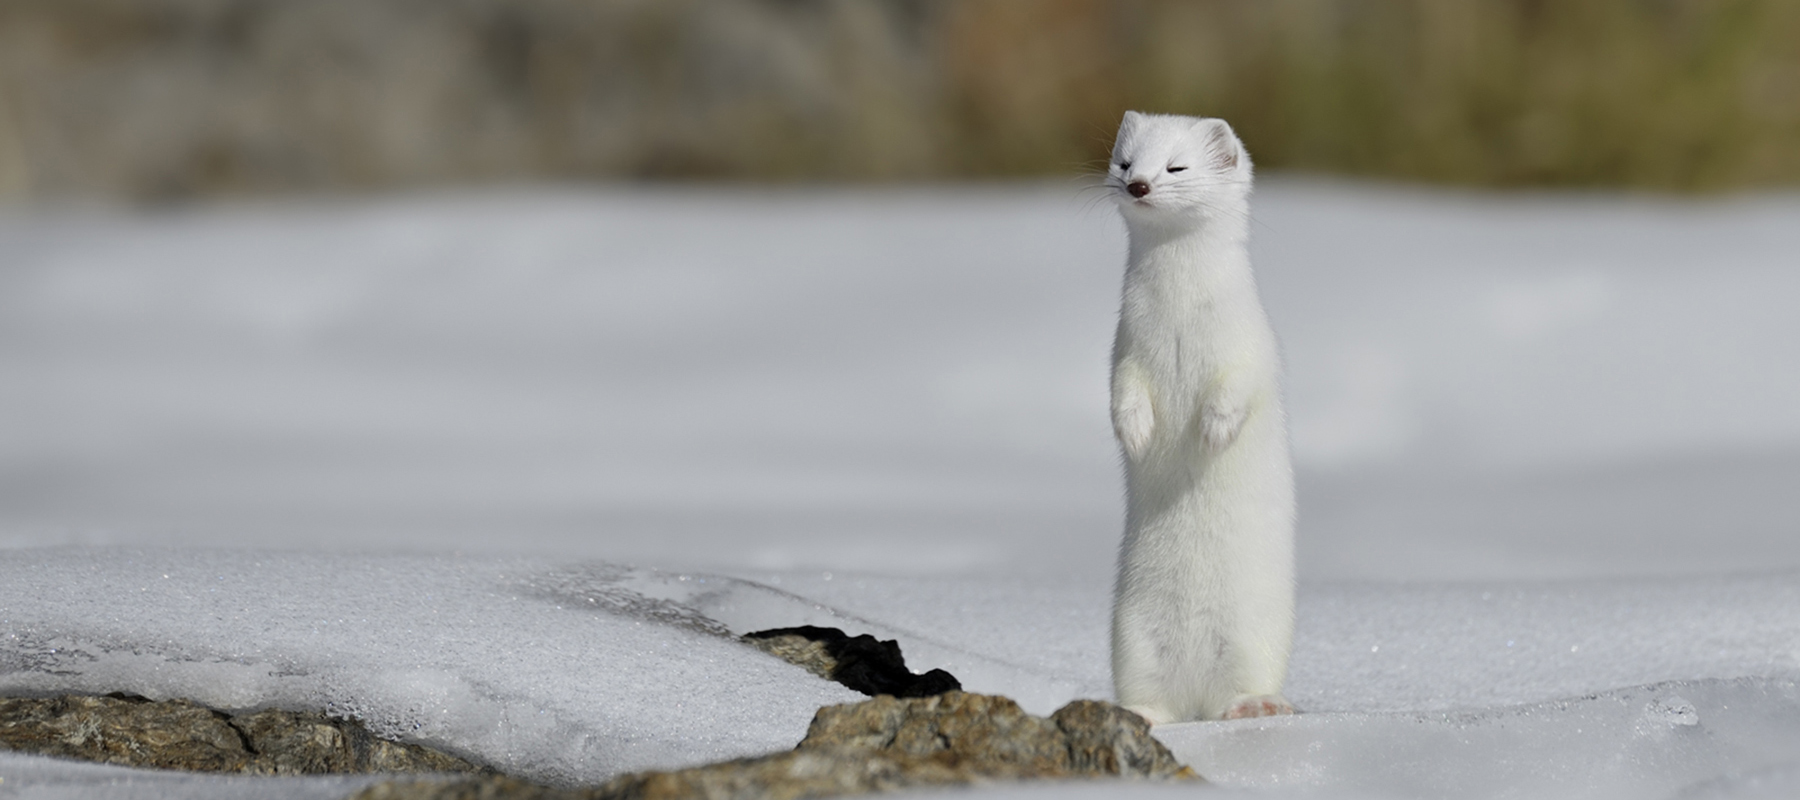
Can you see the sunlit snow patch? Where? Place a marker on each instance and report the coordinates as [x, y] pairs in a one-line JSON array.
[[442, 651], [40, 778], [735, 606], [1636, 742]]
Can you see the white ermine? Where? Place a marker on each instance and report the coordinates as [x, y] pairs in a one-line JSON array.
[[1203, 612]]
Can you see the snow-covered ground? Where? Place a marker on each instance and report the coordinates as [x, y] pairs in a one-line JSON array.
[[496, 471]]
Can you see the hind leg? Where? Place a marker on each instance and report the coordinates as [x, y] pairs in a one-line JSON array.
[[1257, 705]]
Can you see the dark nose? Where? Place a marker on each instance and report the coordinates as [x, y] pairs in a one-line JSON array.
[[1138, 188]]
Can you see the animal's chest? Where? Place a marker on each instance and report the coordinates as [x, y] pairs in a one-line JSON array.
[[1186, 340]]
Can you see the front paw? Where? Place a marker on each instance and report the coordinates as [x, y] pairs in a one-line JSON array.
[[1219, 427], [1132, 423]]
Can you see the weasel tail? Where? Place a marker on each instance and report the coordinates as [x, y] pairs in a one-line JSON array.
[[1203, 610]]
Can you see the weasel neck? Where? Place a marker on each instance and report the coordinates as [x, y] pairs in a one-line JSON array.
[[1205, 249]]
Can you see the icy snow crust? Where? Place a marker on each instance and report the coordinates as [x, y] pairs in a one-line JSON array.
[[496, 660], [571, 672], [505, 473], [52, 779]]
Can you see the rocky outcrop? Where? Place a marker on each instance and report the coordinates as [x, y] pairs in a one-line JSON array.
[[878, 745], [948, 738], [177, 734], [862, 663]]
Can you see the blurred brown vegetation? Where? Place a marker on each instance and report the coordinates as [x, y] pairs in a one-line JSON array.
[[171, 98]]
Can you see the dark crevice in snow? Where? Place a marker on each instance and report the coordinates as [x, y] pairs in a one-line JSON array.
[[866, 664]]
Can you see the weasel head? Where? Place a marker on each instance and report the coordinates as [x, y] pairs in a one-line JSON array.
[[1169, 169]]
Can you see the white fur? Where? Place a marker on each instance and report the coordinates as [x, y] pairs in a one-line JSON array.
[[1203, 612]]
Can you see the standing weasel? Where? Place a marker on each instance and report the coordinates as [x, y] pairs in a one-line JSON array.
[[1203, 612]]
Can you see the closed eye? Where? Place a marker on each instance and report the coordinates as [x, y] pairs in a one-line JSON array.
[[1176, 169]]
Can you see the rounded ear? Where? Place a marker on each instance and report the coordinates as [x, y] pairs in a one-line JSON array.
[[1126, 127], [1132, 120], [1223, 152]]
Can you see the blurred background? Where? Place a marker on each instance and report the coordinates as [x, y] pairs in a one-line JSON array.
[[158, 99], [803, 284]]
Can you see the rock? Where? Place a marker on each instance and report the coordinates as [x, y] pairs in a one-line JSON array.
[[809, 654], [988, 736], [880, 745], [862, 663], [1105, 739], [115, 730], [177, 734], [298, 743]]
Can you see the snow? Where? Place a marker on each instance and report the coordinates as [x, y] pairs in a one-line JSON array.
[[502, 472], [565, 681], [49, 779]]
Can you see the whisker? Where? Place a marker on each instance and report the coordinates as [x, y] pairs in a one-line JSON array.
[[1094, 166], [1091, 202]]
